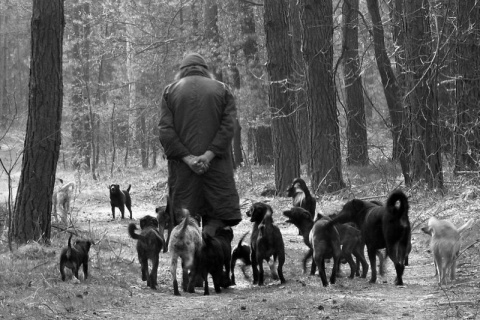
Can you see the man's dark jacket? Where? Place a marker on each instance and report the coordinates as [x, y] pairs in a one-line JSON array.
[[198, 114]]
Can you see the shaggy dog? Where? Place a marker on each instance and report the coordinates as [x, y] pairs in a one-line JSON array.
[[74, 257], [445, 245], [382, 227], [215, 256], [325, 241], [120, 199], [266, 242], [149, 243], [241, 252], [301, 196], [185, 243], [62, 196]]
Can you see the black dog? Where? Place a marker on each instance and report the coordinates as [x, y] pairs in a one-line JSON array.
[[74, 257], [350, 239], [163, 217], [325, 241], [149, 244], [241, 252], [382, 227], [216, 254], [120, 199], [266, 242], [301, 196]]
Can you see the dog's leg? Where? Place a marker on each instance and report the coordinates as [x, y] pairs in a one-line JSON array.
[[352, 264], [62, 270], [254, 266], [336, 264], [360, 257], [372, 256], [272, 264], [453, 269], [144, 268], [85, 269], [185, 277], [173, 271], [206, 291], [281, 261], [153, 274], [321, 271], [122, 211], [261, 272], [232, 268], [113, 212]]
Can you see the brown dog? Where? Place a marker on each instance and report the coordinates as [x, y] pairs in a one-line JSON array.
[[74, 257], [150, 242], [241, 252], [120, 199], [445, 245], [301, 196], [266, 242], [185, 243], [62, 197]]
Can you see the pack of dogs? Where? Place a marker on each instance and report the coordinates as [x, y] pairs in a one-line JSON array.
[[340, 238]]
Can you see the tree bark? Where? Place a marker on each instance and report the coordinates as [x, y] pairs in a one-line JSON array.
[[467, 133], [212, 37], [426, 161], [392, 92], [325, 158], [357, 149], [286, 154], [33, 206]]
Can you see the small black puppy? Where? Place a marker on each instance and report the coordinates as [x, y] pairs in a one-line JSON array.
[[120, 199], [74, 257], [266, 242], [241, 252], [216, 254], [149, 244], [301, 196]]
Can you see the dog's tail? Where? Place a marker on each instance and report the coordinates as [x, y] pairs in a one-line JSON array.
[[69, 251], [131, 231], [467, 225], [242, 238], [66, 187], [129, 186], [391, 205]]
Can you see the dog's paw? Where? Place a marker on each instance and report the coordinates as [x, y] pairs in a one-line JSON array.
[[75, 280]]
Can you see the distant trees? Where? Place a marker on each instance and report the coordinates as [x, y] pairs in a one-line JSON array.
[[32, 216]]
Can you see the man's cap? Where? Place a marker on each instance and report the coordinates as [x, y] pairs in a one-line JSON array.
[[193, 59]]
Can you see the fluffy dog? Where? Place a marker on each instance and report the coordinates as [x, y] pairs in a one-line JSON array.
[[62, 197], [350, 239], [186, 244], [241, 252], [301, 196], [120, 199], [325, 241], [382, 227], [74, 257], [266, 242], [445, 245], [215, 256], [149, 243]]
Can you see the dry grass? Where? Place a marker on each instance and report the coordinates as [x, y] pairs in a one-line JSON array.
[[31, 288]]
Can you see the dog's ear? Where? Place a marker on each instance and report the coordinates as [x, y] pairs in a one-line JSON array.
[[428, 230]]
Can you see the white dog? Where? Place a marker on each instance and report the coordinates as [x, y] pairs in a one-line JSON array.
[[62, 196], [445, 245]]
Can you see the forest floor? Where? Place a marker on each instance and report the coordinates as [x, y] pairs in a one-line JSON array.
[[31, 288]]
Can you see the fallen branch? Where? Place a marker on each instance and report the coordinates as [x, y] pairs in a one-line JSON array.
[[457, 303]]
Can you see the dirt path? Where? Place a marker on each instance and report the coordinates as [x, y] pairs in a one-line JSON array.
[[115, 290]]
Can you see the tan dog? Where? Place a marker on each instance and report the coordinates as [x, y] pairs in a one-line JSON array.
[[62, 196], [445, 245]]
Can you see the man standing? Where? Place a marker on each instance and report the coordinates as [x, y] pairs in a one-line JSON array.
[[197, 117]]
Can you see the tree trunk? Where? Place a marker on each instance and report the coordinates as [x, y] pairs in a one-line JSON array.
[[237, 145], [260, 145], [79, 100], [426, 149], [4, 109], [286, 154], [325, 158], [212, 37], [357, 149], [298, 79], [392, 91], [467, 135], [33, 206]]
